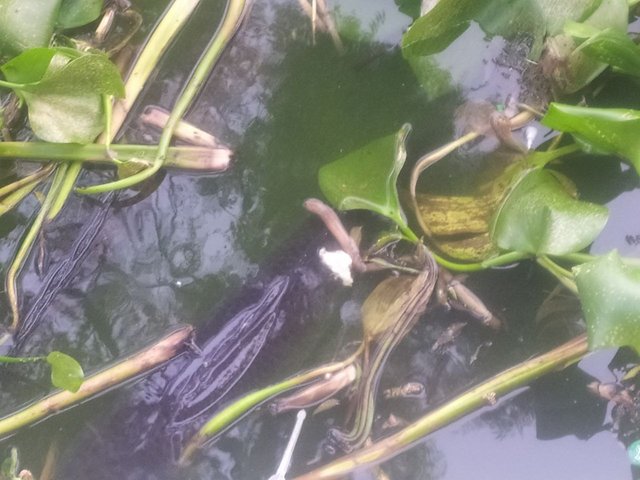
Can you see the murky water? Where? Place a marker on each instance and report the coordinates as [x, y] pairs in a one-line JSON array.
[[187, 251]]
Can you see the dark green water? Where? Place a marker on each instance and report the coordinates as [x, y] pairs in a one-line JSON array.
[[286, 108]]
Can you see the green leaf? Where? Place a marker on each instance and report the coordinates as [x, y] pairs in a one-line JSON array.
[[512, 19], [30, 66], [26, 24], [75, 13], [614, 48], [435, 31], [409, 7], [557, 14], [539, 216], [66, 372], [609, 292], [366, 179], [64, 98], [569, 67], [599, 130]]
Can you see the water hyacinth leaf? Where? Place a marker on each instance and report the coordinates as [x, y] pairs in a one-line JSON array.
[[384, 305], [66, 372], [540, 216], [609, 292], [65, 102], [557, 14], [26, 24], [512, 19], [75, 13], [566, 65], [448, 19], [366, 179], [599, 130], [435, 31], [614, 48], [28, 67], [409, 7]]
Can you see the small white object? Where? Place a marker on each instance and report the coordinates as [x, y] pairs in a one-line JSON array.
[[530, 134], [288, 452], [339, 262]]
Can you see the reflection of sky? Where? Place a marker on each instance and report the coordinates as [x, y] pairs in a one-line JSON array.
[[480, 455], [383, 15], [623, 228]]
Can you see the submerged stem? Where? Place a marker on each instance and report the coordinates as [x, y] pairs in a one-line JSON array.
[[27, 242]]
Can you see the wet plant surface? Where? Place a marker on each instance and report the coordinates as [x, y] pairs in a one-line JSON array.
[[115, 272]]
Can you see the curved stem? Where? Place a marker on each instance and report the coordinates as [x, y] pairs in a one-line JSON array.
[[499, 261], [230, 24]]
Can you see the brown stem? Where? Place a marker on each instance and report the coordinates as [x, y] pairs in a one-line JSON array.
[[98, 383], [335, 226]]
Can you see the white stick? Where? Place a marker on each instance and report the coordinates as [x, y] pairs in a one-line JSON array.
[[288, 452]]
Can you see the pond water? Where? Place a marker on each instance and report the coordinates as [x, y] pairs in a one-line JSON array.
[[198, 248]]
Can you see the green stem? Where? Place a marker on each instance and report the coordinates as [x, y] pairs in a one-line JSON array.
[[173, 19], [473, 399], [5, 359], [27, 242], [11, 85], [458, 267], [98, 383], [565, 277], [66, 187], [541, 159], [499, 261], [29, 179], [236, 410], [230, 23], [11, 200]]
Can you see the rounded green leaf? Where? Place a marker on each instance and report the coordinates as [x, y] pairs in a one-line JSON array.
[[604, 130], [539, 216], [75, 13], [26, 24], [614, 48], [609, 293], [66, 372], [63, 92]]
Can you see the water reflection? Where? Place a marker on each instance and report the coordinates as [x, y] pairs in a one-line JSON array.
[[286, 108]]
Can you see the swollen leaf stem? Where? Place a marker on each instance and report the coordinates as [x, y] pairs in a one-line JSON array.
[[564, 276]]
